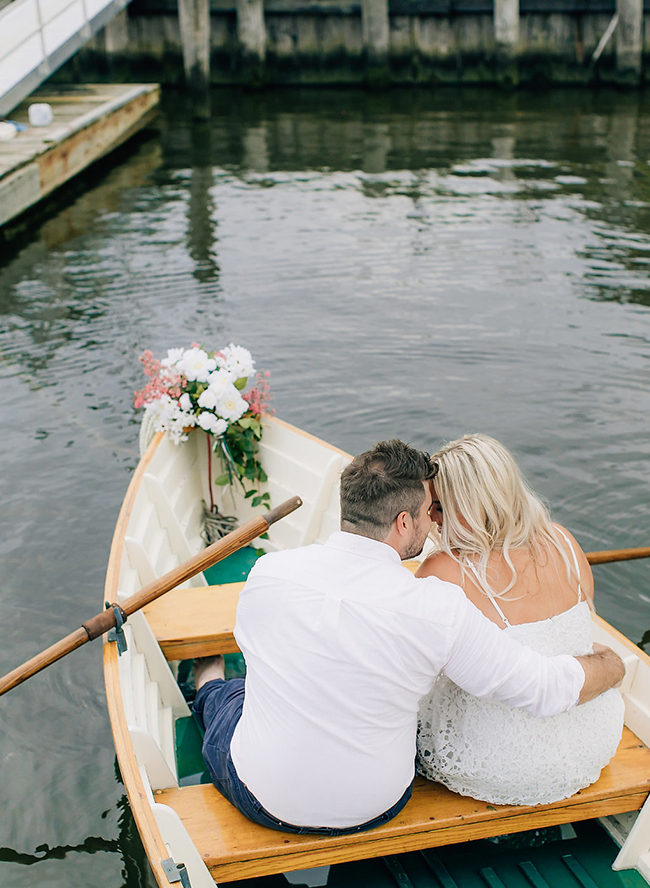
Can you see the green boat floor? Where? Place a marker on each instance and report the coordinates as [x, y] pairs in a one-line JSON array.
[[189, 760], [232, 569], [583, 861], [188, 736]]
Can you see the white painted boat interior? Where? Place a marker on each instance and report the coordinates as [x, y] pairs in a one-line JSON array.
[[38, 36], [164, 528]]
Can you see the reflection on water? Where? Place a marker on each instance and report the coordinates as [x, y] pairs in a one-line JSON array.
[[127, 847], [419, 264]]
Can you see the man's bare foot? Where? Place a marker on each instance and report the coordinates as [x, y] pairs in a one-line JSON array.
[[208, 668]]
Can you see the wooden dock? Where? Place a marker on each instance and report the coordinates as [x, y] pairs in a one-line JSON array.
[[89, 122]]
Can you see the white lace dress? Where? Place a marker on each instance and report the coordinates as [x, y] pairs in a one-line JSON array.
[[493, 752]]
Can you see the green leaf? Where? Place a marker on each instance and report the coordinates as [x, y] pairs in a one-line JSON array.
[[250, 493], [245, 422], [264, 536], [257, 500], [222, 480], [260, 552], [262, 475], [240, 385]]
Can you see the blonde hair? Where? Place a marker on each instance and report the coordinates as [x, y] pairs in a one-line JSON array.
[[486, 505]]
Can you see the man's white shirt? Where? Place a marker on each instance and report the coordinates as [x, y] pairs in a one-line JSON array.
[[341, 642]]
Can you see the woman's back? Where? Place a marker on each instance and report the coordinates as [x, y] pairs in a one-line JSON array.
[[543, 588]]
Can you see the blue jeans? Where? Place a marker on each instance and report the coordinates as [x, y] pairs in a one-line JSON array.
[[218, 707]]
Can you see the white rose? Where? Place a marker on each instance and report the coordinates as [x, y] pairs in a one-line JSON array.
[[174, 355], [231, 405], [207, 420], [185, 403], [219, 379], [208, 399], [196, 365], [237, 360]]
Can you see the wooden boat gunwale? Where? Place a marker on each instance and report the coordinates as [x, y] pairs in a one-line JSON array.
[[150, 811], [134, 784]]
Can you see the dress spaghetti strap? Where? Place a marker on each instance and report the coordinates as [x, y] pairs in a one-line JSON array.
[[575, 560], [493, 600]]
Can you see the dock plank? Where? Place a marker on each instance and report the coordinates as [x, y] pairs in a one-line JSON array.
[[234, 848]]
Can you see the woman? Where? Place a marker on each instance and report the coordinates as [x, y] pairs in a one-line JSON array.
[[530, 577]]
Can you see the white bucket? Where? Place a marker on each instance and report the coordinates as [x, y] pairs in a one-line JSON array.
[[40, 114], [7, 131]]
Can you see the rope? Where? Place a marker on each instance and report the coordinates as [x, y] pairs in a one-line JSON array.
[[216, 525]]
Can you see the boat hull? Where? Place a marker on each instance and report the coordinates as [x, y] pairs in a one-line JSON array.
[[159, 526]]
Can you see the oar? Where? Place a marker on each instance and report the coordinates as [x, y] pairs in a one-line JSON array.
[[617, 555], [116, 614]]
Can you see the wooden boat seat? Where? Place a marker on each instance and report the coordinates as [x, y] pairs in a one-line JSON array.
[[234, 848], [195, 622]]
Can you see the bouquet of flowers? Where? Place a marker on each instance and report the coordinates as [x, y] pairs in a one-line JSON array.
[[210, 389]]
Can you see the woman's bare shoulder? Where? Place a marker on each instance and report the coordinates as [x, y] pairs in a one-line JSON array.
[[568, 534], [440, 565], [586, 576]]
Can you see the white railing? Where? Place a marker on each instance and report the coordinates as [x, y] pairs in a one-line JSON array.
[[38, 36]]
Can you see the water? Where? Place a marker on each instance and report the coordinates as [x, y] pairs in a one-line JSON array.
[[417, 265]]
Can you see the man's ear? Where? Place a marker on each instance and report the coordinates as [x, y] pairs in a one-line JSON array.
[[403, 523]]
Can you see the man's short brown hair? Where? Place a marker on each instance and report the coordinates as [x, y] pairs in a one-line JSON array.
[[380, 484]]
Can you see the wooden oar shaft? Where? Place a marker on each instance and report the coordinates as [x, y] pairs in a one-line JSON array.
[[45, 658], [617, 555], [104, 621]]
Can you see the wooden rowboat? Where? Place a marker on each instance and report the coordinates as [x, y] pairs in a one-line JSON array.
[[192, 835]]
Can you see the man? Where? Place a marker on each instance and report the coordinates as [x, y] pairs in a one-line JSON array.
[[341, 642]]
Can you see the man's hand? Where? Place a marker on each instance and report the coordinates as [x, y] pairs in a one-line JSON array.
[[603, 670]]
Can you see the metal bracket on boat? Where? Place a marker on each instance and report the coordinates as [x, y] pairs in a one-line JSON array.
[[176, 872], [117, 634]]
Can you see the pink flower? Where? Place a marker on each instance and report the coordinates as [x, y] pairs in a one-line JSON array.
[[259, 396], [169, 384], [151, 365]]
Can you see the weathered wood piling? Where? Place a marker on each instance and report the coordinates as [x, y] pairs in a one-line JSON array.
[[506, 39], [377, 42], [251, 33], [629, 41], [194, 22]]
